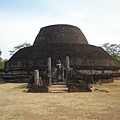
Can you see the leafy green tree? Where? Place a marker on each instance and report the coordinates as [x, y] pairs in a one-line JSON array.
[[16, 48], [113, 50], [2, 62], [0, 52]]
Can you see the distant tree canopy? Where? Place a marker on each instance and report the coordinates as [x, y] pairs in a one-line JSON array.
[[2, 62], [113, 50], [0, 52], [16, 48]]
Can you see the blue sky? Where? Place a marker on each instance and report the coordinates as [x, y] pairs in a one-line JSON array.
[[21, 20]]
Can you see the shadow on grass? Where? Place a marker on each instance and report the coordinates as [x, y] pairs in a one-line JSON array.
[[25, 91], [22, 86]]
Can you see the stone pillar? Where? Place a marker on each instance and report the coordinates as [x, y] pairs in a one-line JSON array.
[[67, 68], [36, 77], [67, 62], [49, 70], [19, 64], [63, 73]]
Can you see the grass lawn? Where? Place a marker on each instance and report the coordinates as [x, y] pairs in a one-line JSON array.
[[101, 104]]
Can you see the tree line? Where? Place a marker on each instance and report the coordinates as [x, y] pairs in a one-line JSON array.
[[113, 50], [2, 61]]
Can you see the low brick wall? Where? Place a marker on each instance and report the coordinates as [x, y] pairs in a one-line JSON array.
[[38, 89], [78, 87]]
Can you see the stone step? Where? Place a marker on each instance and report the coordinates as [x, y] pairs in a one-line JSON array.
[[65, 91], [59, 83], [58, 89]]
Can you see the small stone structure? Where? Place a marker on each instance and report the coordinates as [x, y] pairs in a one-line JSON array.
[[78, 87], [78, 84], [38, 89], [36, 84], [2, 81]]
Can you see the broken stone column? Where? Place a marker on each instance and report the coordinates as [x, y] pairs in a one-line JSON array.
[[63, 74], [36, 77], [49, 70], [38, 85], [19, 63], [67, 62], [67, 68]]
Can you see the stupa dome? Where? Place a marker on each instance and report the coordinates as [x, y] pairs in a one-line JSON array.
[[57, 42], [60, 34]]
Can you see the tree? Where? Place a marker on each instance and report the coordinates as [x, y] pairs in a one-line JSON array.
[[113, 50], [16, 48], [0, 52], [2, 62]]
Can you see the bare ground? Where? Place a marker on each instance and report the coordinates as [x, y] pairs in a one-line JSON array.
[[101, 104]]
